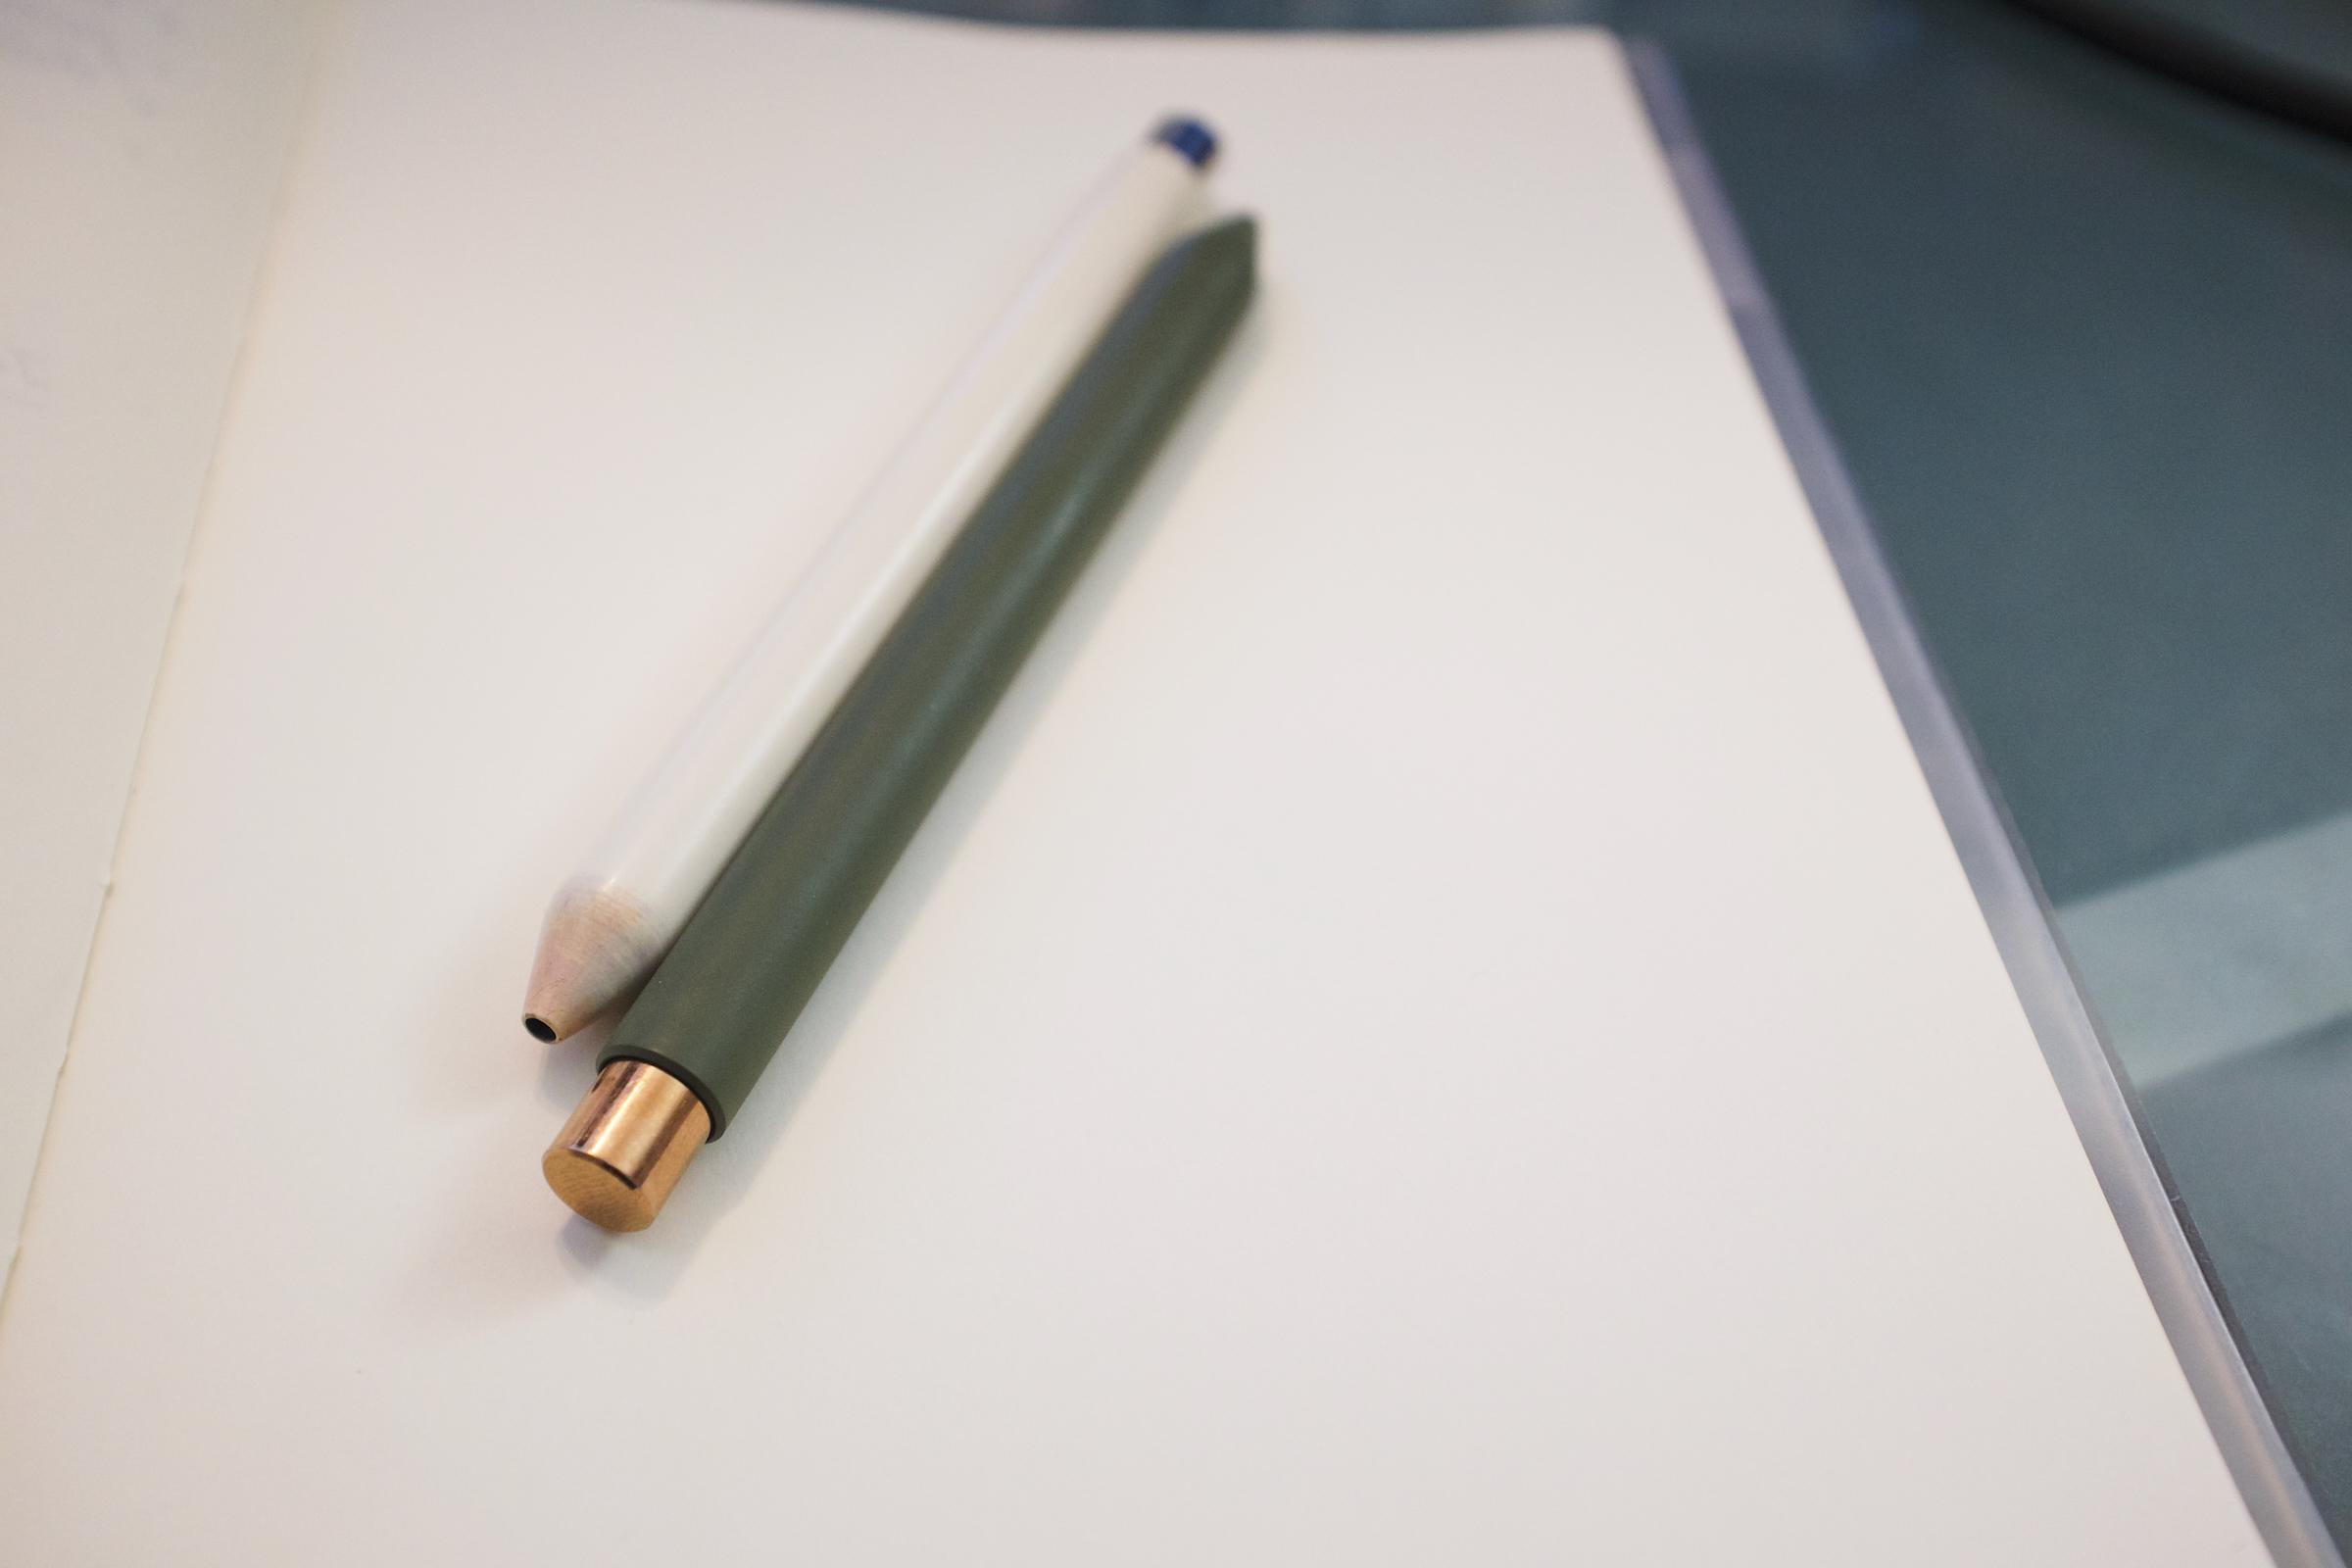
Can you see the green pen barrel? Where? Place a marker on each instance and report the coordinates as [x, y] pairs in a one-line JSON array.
[[759, 946]]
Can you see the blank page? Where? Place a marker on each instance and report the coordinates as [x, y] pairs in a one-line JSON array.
[[1438, 1024], [141, 145]]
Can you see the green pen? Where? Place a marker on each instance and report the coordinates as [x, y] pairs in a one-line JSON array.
[[686, 1054]]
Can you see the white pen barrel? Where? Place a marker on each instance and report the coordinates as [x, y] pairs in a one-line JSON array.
[[690, 814]]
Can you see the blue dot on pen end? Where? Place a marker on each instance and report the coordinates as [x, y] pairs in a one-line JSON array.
[[1191, 138]]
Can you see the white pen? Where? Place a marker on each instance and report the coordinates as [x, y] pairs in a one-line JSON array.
[[610, 925]]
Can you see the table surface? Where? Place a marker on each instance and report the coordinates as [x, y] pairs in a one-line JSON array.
[[2084, 341]]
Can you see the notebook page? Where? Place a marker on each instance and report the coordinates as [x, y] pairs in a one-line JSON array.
[[1438, 1024], [141, 144]]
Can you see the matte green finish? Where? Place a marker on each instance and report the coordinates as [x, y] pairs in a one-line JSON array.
[[747, 963]]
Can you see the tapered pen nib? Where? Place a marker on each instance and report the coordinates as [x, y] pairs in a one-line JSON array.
[[596, 947]]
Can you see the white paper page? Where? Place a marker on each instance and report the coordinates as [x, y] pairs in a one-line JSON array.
[[1438, 1023], [141, 144]]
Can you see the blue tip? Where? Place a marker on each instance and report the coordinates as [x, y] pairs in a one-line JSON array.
[[1190, 137]]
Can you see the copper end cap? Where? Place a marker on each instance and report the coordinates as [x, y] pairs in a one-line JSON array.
[[625, 1145]]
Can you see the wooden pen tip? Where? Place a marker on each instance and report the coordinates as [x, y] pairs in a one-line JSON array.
[[597, 948]]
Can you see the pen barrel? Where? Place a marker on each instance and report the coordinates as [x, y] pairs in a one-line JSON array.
[[761, 940], [610, 925]]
